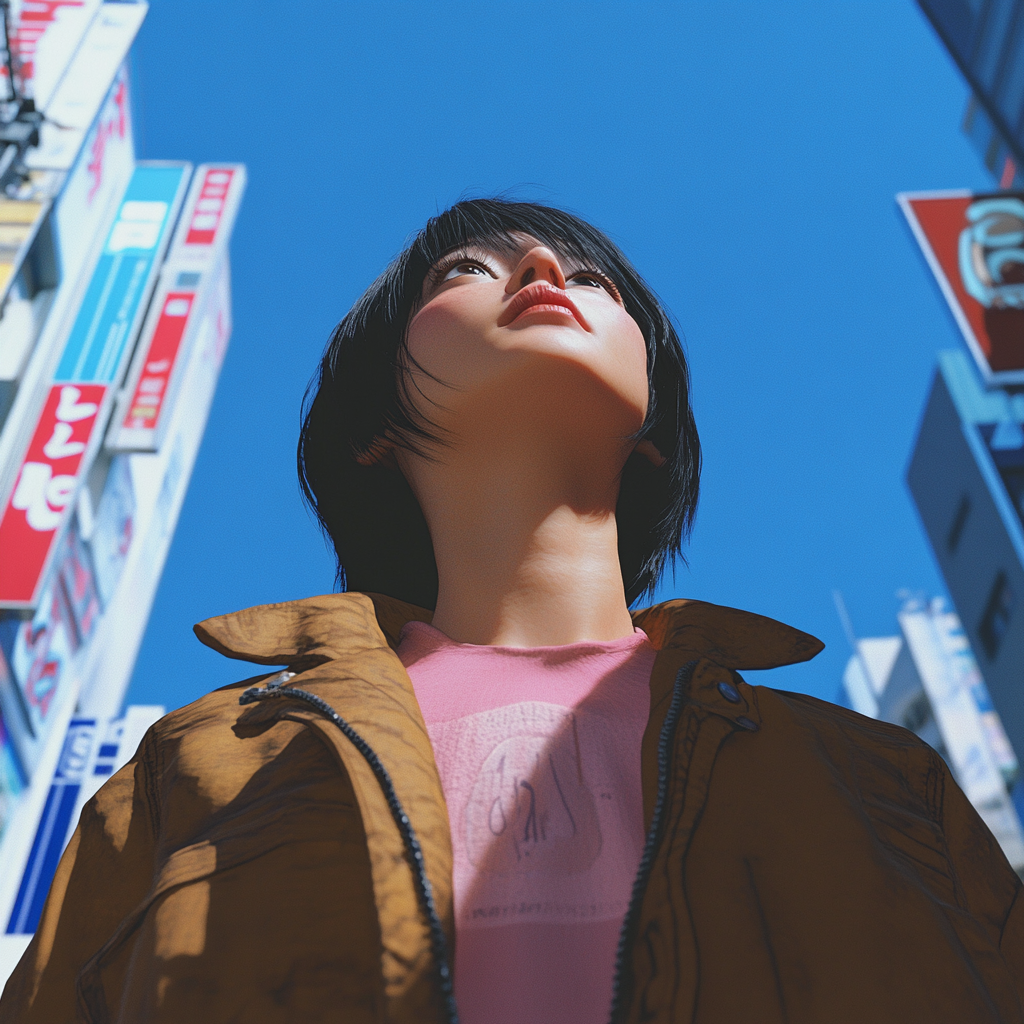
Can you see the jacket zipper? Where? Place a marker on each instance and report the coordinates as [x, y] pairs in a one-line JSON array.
[[627, 935], [424, 891]]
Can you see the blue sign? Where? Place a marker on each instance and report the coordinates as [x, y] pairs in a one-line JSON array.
[[54, 825], [121, 284]]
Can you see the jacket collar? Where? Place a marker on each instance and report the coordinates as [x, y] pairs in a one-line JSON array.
[[304, 633]]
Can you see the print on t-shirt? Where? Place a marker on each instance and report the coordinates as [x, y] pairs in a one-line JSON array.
[[530, 808], [541, 807]]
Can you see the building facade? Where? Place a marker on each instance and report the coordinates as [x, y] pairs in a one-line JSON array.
[[986, 39], [115, 313], [966, 476], [966, 472]]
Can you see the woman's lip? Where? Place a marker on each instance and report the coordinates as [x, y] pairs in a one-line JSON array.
[[542, 297], [546, 307]]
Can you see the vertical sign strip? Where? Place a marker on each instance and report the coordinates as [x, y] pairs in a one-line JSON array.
[[199, 244]]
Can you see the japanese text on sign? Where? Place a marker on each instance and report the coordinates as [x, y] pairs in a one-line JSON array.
[[46, 484]]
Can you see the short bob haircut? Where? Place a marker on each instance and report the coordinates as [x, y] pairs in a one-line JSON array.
[[360, 394]]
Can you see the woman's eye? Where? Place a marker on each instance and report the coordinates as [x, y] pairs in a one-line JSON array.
[[587, 279], [464, 268]]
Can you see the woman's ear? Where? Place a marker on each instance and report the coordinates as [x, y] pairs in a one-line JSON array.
[[380, 453], [647, 449]]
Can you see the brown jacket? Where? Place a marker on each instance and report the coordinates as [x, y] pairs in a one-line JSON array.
[[258, 862]]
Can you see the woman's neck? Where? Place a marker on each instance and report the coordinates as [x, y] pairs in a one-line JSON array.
[[526, 545]]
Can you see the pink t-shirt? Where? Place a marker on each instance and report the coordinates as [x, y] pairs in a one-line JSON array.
[[539, 754]]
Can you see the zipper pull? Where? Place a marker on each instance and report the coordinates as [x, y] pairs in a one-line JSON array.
[[271, 688]]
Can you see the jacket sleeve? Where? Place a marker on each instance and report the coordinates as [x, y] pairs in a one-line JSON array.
[[105, 873]]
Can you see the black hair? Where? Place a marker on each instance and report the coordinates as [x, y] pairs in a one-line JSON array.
[[359, 395]]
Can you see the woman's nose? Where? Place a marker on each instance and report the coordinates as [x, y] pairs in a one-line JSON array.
[[539, 264]]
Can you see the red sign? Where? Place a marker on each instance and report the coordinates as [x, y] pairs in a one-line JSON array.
[[45, 487], [975, 247], [148, 398], [209, 208], [34, 20]]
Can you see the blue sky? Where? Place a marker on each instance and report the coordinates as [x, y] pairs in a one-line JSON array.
[[746, 157]]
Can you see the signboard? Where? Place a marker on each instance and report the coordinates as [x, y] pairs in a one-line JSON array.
[[78, 581], [54, 824], [77, 99], [46, 484], [12, 782], [974, 244], [93, 750], [90, 367], [114, 528], [210, 211], [44, 37], [40, 653], [102, 167], [149, 396], [181, 299]]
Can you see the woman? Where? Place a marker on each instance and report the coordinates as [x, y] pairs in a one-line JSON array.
[[480, 781]]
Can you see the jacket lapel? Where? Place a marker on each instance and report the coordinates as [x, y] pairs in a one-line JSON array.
[[344, 657], [661, 974]]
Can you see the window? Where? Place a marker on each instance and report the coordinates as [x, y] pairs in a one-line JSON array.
[[1014, 480], [918, 713], [956, 530], [996, 620]]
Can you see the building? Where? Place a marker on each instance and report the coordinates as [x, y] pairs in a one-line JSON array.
[[115, 312], [966, 476], [926, 680], [986, 39], [966, 473]]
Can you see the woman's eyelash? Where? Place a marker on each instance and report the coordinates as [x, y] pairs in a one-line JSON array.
[[598, 276], [453, 260]]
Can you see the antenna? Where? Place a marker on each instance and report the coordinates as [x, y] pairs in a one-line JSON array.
[[844, 618], [851, 638]]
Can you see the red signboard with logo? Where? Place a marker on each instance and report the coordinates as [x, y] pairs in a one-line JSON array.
[[46, 484], [974, 244], [151, 389]]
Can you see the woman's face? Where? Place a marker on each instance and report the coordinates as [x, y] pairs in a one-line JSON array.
[[525, 336]]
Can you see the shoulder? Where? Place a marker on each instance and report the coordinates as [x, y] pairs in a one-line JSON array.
[[839, 728], [214, 746], [830, 719], [875, 760], [214, 710]]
